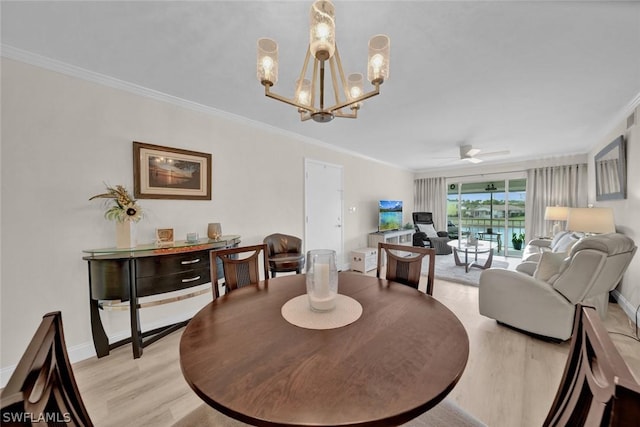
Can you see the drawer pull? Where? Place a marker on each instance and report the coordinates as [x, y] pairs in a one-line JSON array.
[[193, 261], [193, 279]]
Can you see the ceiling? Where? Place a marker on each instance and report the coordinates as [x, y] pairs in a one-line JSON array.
[[538, 78]]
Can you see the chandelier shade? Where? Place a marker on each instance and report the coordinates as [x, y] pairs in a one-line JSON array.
[[322, 30], [378, 69], [325, 77], [267, 61]]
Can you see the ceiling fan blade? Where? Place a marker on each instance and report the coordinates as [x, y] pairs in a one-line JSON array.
[[467, 151], [472, 159], [495, 153]]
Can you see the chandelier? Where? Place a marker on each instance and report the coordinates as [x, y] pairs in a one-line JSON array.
[[309, 96]]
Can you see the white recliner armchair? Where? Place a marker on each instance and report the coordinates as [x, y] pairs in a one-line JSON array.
[[544, 303]]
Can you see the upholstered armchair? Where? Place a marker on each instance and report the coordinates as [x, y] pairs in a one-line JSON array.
[[561, 242], [284, 253], [426, 234], [544, 303]]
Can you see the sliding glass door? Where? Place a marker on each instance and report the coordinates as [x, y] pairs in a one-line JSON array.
[[489, 210]]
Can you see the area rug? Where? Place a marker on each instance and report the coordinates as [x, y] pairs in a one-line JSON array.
[[446, 269]]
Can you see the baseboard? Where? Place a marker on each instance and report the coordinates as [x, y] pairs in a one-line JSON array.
[[626, 306], [86, 350]]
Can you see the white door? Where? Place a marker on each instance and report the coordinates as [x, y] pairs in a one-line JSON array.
[[323, 208]]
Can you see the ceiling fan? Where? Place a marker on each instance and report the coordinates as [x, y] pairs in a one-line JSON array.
[[474, 155]]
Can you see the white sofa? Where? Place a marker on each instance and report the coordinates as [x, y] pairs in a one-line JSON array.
[[544, 303], [561, 242]]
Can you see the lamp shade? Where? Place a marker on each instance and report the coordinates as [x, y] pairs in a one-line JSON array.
[[378, 69], [556, 213], [303, 91], [591, 220], [354, 85], [267, 61], [322, 30]]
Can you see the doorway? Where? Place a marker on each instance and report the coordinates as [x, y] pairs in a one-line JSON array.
[[491, 210], [323, 195]]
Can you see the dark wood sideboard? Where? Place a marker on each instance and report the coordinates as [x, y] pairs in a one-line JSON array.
[[119, 277]]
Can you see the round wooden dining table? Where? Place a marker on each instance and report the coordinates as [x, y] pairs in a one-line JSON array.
[[401, 357]]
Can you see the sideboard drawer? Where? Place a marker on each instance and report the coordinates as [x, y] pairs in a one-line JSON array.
[[171, 264], [172, 282]]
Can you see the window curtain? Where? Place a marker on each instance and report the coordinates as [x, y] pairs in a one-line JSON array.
[[430, 195], [607, 174], [553, 186]]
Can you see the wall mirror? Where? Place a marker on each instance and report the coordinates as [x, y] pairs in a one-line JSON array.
[[611, 171]]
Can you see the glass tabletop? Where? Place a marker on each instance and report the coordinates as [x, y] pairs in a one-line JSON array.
[[479, 246], [178, 244]]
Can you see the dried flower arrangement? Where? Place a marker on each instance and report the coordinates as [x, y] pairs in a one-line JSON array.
[[125, 208]]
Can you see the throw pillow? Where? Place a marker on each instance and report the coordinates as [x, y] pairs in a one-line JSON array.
[[565, 243], [428, 229], [557, 238], [549, 266]]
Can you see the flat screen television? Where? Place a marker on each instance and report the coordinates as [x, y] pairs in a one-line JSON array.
[[389, 215]]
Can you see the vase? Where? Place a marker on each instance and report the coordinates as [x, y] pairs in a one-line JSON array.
[[322, 279], [125, 234], [214, 231]]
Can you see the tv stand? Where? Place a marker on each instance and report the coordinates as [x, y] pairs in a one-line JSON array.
[[397, 237]]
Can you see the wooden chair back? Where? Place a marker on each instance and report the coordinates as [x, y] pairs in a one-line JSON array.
[[404, 264], [597, 388], [239, 270], [42, 386]]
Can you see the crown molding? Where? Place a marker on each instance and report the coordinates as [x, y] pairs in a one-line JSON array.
[[616, 119], [10, 52]]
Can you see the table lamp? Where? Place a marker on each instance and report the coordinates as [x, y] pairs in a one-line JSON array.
[[591, 220], [557, 214]]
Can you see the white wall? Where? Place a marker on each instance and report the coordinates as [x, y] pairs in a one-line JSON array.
[[626, 210], [63, 136]]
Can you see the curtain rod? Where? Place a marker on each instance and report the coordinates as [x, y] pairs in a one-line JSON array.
[[523, 171]]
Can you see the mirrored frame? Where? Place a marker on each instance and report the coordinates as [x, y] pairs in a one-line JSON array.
[[611, 171]]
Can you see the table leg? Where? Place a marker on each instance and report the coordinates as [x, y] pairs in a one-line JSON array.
[[100, 339], [487, 263], [456, 257], [136, 333]]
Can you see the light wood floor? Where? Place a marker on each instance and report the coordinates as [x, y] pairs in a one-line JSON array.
[[510, 379]]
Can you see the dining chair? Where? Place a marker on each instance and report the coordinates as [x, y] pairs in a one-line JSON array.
[[239, 270], [42, 386], [597, 388], [284, 253], [404, 264]]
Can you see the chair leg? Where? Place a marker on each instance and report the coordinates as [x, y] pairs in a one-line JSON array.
[[298, 271], [273, 274]]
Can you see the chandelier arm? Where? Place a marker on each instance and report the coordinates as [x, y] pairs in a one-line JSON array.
[[367, 95], [321, 85], [342, 79], [313, 83], [303, 72], [270, 94], [332, 64], [353, 115]]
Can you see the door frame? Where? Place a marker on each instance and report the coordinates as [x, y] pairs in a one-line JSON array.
[[341, 261]]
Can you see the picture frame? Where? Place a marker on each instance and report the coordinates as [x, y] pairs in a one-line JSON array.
[[164, 236], [170, 173]]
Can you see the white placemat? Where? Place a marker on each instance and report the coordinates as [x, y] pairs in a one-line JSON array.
[[297, 312]]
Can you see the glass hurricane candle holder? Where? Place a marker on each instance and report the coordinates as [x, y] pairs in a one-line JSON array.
[[322, 279], [214, 231]]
